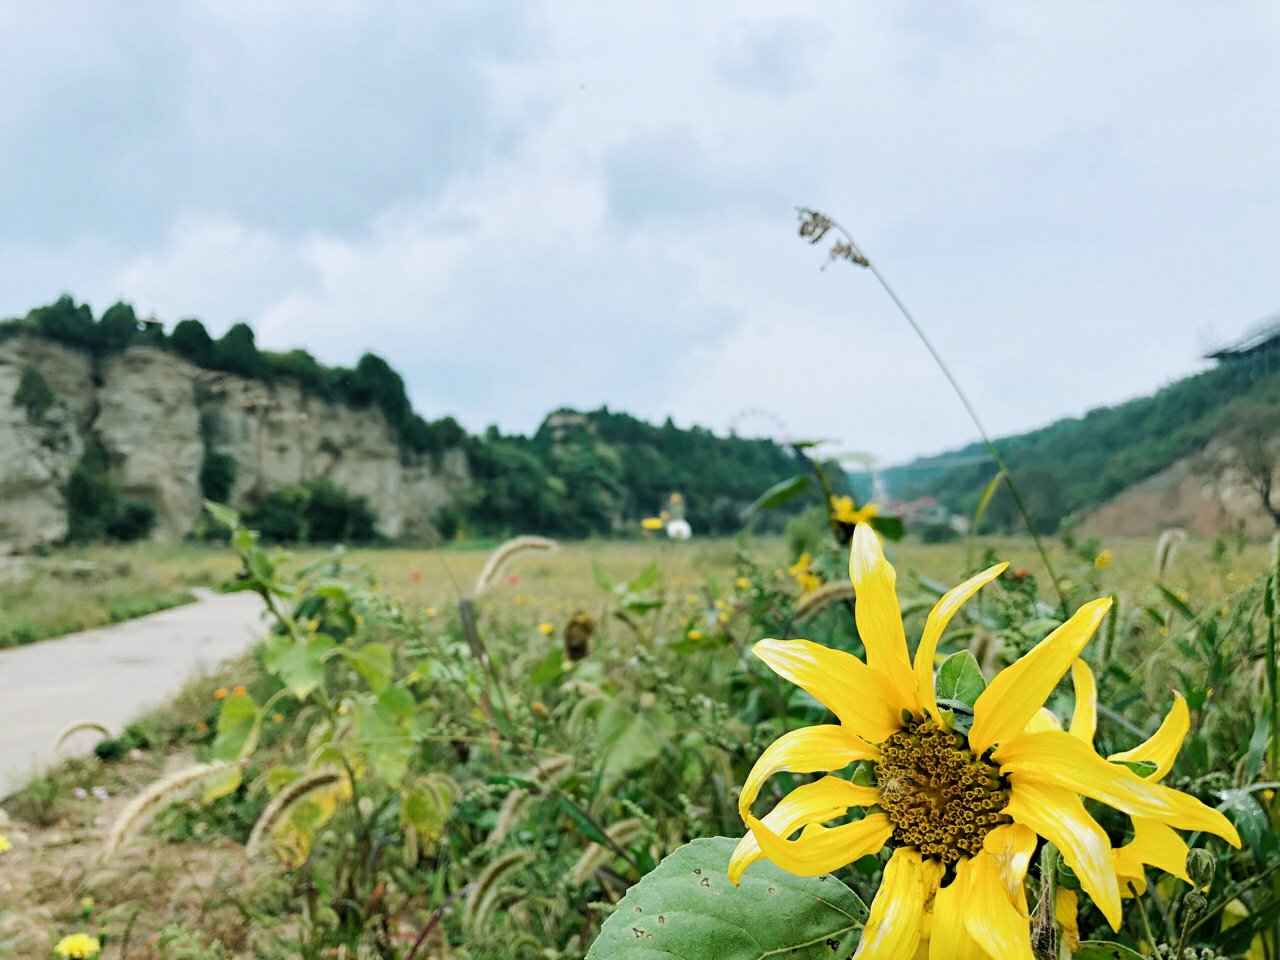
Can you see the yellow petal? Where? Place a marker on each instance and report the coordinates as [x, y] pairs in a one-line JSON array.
[[879, 617], [1019, 690], [992, 920], [819, 850], [949, 937], [1084, 718], [1059, 816], [1066, 910], [897, 912], [822, 748], [839, 681], [1153, 843], [1044, 719], [1163, 745], [939, 617], [1062, 760], [817, 802], [1011, 846]]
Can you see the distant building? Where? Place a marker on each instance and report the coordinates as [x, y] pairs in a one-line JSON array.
[[1257, 352]]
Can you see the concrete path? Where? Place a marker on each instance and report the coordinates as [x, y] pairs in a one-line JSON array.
[[111, 674]]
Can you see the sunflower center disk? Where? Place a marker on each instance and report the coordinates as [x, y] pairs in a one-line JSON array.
[[940, 798]]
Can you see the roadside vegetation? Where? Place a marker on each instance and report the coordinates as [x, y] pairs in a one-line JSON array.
[[440, 754]]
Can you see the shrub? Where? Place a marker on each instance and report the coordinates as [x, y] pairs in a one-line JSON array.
[[318, 511], [938, 533], [96, 510], [34, 393], [217, 475], [191, 341]]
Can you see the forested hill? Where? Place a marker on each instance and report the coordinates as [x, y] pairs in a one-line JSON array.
[[579, 474], [1078, 463]]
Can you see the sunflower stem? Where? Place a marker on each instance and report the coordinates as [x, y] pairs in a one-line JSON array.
[[1043, 929], [857, 256]]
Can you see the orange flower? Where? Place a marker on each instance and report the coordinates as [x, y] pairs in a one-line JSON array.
[[220, 693], [239, 690]]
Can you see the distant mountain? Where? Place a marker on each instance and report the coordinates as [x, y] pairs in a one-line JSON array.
[[1079, 463]]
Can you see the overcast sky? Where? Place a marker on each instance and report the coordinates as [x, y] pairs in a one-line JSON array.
[[530, 205]]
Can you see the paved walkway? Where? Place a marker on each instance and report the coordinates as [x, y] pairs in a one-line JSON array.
[[111, 674]]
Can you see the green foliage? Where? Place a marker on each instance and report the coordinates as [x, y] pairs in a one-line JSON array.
[[117, 328], [217, 475], [317, 511], [34, 393], [191, 341], [687, 907], [237, 352], [96, 508], [1081, 462]]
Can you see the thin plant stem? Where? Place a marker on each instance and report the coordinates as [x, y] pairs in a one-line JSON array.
[[969, 408]]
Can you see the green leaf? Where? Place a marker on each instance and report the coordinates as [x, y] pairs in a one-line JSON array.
[[373, 663], [383, 739], [1143, 768], [779, 494], [687, 908], [646, 579], [1176, 602], [589, 829], [300, 666], [601, 578], [890, 528], [630, 740], [960, 678], [223, 515], [239, 722], [221, 784], [1104, 950]]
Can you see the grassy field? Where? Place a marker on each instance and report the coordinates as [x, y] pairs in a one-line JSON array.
[[521, 786]]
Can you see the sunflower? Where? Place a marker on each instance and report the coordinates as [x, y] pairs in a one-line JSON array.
[[843, 511], [962, 805]]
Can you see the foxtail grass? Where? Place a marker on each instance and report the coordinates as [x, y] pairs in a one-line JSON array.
[[71, 729], [148, 803], [503, 555], [488, 890], [278, 809], [597, 855]]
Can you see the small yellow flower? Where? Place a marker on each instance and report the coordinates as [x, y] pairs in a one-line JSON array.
[[722, 605], [414, 676], [432, 612], [723, 618], [805, 577], [742, 583], [546, 629], [5, 845], [843, 510], [677, 498], [201, 726], [277, 718], [691, 598], [694, 634], [220, 693], [652, 523], [1102, 560], [78, 946], [239, 690], [540, 709]]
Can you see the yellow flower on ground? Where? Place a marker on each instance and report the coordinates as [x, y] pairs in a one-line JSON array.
[[5, 845], [742, 583], [652, 523], [962, 812], [694, 634], [78, 946], [843, 510], [546, 629], [1102, 560]]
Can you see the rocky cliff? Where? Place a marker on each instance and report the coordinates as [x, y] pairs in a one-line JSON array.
[[157, 416]]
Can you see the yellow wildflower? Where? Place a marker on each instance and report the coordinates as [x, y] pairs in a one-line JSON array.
[[546, 629], [691, 598], [220, 693], [1102, 560], [676, 498], [723, 617], [78, 946], [970, 805], [5, 845], [843, 510], [694, 634], [805, 577], [652, 523], [432, 612], [742, 583]]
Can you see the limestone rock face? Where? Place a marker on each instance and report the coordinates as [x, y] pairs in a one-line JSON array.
[[156, 416], [40, 448]]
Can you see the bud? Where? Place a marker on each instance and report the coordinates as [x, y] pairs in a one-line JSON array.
[[1200, 867]]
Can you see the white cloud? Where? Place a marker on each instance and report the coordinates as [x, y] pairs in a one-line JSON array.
[[588, 203]]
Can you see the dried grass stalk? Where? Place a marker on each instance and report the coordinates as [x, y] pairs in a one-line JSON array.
[[276, 811], [502, 556], [148, 803], [73, 728], [823, 597], [597, 855]]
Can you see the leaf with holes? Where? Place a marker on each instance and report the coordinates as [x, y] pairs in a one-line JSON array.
[[688, 908]]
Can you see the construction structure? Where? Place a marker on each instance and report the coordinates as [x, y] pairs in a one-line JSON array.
[[1257, 352]]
